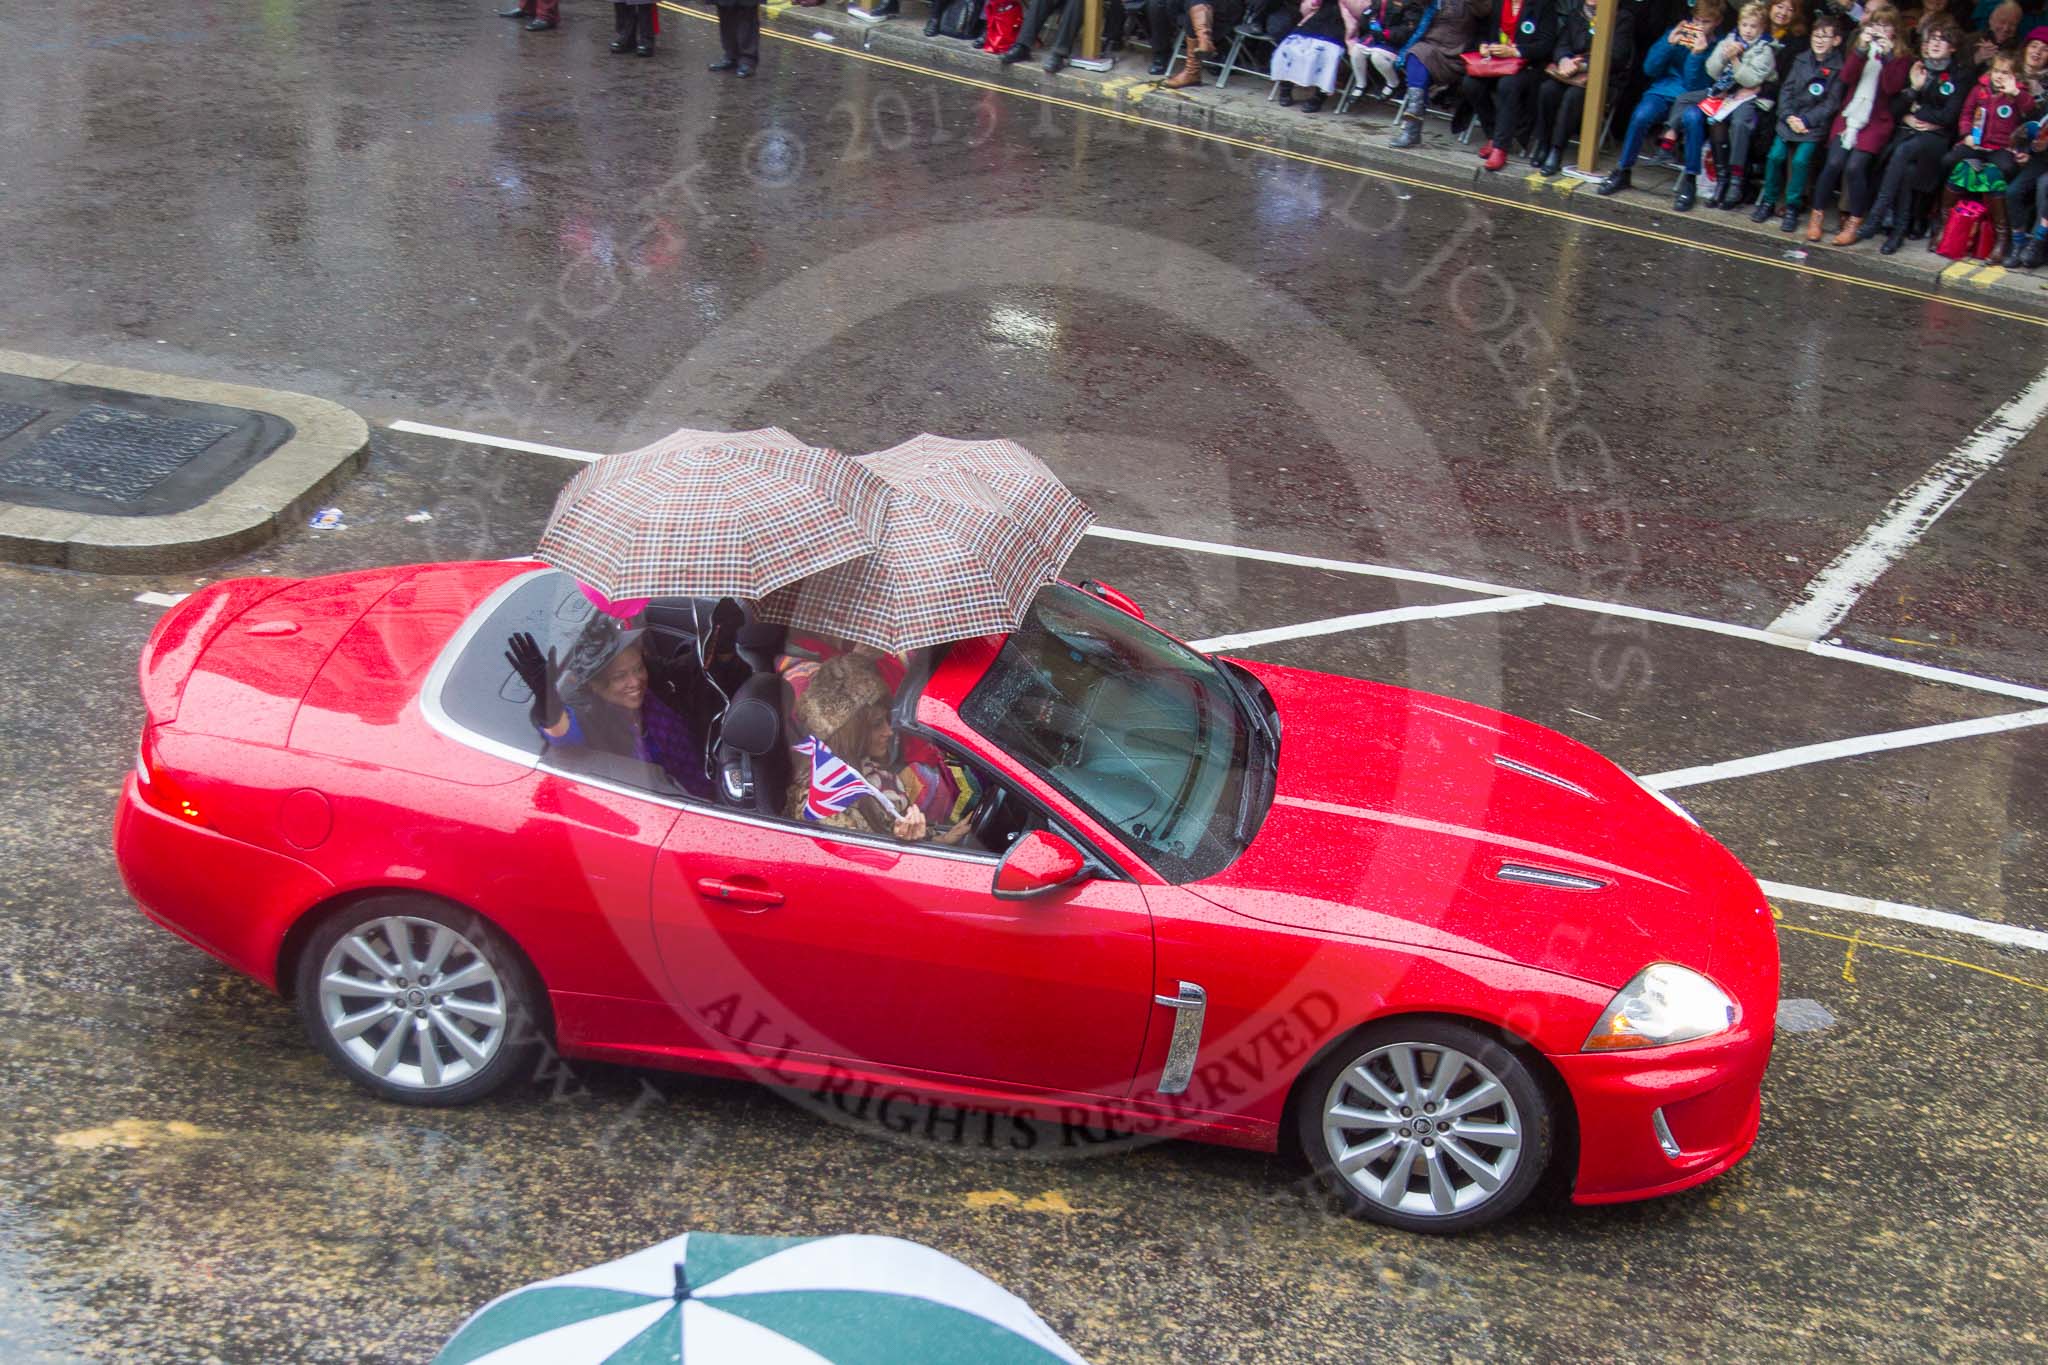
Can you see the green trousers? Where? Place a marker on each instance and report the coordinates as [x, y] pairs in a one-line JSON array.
[[1784, 187]]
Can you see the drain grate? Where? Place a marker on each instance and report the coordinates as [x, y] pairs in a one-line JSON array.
[[112, 453], [15, 416]]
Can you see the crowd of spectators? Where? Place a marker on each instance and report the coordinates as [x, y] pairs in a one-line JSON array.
[[1795, 109]]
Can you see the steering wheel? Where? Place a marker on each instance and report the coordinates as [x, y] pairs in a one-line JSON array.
[[992, 803]]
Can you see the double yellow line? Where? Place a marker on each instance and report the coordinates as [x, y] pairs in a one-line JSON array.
[[1856, 941], [1372, 173]]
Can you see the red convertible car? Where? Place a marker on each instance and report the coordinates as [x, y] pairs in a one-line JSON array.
[[1437, 949]]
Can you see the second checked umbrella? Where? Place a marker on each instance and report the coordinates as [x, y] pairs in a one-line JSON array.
[[712, 514], [971, 531]]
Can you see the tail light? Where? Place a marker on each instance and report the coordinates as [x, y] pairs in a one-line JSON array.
[[160, 788]]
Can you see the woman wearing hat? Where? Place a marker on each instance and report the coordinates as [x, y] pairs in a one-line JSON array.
[[599, 701], [846, 708]]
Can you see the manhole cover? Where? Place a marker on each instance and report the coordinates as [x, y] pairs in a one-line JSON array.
[[15, 416], [109, 452]]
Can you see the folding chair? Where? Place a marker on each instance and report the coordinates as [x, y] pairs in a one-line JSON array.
[[1246, 32]]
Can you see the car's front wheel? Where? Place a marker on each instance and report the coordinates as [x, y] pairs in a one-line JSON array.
[[417, 1001], [1426, 1124]]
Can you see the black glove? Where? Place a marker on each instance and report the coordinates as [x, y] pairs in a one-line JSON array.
[[542, 677]]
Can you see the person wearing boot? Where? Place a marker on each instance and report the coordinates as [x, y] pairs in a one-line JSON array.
[[1384, 28], [2031, 206], [1195, 22], [1276, 20], [739, 35], [1432, 57], [2030, 248], [633, 28], [1561, 99], [1308, 59], [539, 15], [1676, 65], [2020, 187], [1936, 87], [1998, 104], [1785, 30], [1170, 19], [1874, 72], [1742, 61], [1807, 100]]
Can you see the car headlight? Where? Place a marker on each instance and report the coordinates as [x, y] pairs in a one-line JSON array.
[[1666, 1003]]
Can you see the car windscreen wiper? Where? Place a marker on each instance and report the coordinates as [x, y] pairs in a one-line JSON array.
[[1247, 705]]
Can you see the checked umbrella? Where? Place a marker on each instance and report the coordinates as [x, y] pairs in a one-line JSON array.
[[971, 531], [712, 514]]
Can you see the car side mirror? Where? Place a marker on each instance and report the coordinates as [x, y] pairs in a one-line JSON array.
[[1122, 601], [1037, 863]]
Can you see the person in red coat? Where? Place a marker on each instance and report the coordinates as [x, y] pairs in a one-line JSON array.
[[1877, 68], [1997, 106]]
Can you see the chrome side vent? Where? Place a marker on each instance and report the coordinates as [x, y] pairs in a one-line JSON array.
[[1517, 766], [1547, 876]]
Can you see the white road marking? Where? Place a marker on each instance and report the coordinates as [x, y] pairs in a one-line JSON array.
[[1929, 672], [2011, 936], [1365, 619], [1843, 748], [1823, 603], [1351, 566], [477, 438], [161, 599]]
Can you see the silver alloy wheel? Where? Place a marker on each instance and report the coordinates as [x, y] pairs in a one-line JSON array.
[[412, 1002], [1422, 1129]]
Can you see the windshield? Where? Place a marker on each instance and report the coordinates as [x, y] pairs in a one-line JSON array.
[[1140, 731]]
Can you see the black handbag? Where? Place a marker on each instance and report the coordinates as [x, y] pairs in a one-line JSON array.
[[961, 19]]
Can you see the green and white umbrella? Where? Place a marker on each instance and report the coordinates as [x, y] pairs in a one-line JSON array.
[[708, 1299]]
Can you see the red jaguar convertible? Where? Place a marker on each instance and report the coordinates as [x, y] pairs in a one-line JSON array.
[[1437, 949]]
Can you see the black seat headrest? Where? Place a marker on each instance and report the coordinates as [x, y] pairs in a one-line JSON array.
[[758, 643], [753, 722]]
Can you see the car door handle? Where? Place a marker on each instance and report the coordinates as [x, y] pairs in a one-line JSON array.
[[738, 893]]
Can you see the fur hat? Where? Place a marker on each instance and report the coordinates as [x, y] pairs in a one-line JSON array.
[[842, 688]]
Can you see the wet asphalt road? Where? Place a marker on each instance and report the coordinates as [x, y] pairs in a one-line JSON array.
[[422, 213]]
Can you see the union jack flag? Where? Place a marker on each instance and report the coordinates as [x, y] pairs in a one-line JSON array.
[[835, 783]]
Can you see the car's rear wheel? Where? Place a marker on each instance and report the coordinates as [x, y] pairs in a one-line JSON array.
[[417, 1001], [1426, 1124]]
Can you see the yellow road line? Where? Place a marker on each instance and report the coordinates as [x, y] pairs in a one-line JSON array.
[[1372, 173], [1858, 941]]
